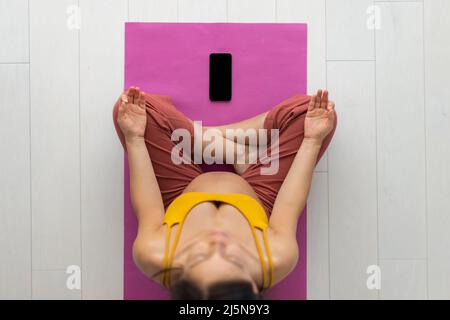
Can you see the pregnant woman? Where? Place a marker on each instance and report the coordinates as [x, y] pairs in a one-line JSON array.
[[219, 235]]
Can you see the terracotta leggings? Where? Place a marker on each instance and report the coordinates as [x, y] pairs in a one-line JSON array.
[[162, 118]]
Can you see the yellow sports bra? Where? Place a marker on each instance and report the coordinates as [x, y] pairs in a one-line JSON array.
[[254, 213]]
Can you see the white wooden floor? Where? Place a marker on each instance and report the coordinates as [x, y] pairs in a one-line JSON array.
[[380, 197]]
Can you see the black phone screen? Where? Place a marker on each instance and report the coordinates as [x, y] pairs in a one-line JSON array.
[[220, 76]]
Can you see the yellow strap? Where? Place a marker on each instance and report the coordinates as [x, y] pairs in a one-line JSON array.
[[269, 256], [174, 248], [260, 258], [169, 229]]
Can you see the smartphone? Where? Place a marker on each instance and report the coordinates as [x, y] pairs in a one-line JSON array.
[[220, 76]]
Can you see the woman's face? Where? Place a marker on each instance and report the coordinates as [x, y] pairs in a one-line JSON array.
[[216, 256]]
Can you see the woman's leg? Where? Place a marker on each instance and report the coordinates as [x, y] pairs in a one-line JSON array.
[[239, 140], [162, 119], [289, 118]]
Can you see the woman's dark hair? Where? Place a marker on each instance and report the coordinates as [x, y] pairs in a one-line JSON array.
[[223, 290]]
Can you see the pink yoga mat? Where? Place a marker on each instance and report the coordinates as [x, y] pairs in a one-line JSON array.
[[269, 65]]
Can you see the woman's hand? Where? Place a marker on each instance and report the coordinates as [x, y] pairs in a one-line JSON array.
[[319, 119], [132, 116]]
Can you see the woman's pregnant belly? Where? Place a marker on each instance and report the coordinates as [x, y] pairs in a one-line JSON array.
[[221, 182]]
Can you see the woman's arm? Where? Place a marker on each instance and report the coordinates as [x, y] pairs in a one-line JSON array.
[[292, 196], [145, 194], [148, 207]]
